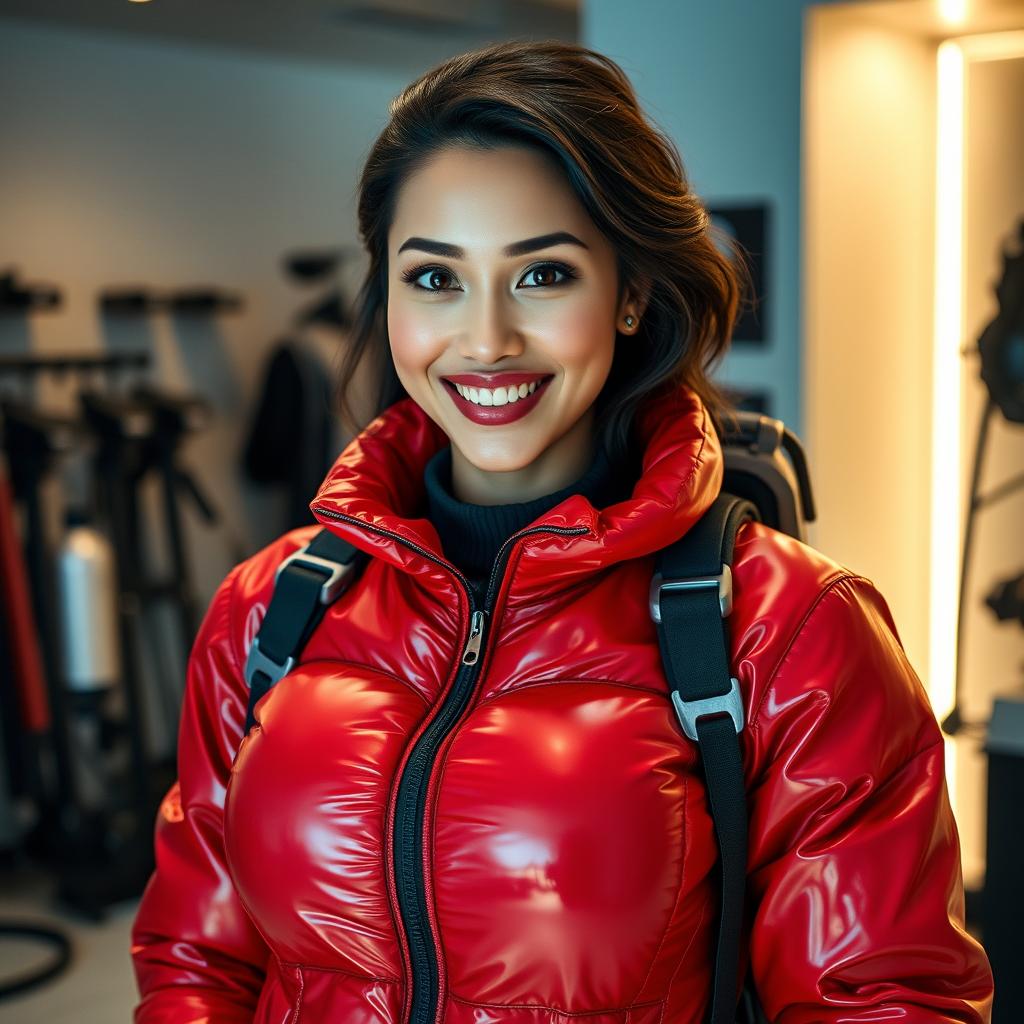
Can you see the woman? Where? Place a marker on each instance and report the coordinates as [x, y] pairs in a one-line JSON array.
[[471, 800]]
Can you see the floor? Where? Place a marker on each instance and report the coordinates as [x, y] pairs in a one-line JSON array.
[[97, 988]]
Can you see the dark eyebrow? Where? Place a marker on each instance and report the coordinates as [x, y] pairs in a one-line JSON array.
[[456, 252]]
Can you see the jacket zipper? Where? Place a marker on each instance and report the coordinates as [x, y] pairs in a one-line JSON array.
[[410, 806]]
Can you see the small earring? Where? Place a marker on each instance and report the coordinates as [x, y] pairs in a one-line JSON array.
[[630, 321]]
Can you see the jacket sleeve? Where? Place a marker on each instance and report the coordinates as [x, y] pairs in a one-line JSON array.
[[854, 877], [197, 956]]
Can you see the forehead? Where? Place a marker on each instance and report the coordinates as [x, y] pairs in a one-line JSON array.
[[484, 199]]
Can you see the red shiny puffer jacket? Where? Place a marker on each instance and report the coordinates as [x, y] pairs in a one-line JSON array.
[[527, 840]]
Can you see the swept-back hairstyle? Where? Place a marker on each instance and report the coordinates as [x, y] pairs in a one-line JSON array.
[[577, 105]]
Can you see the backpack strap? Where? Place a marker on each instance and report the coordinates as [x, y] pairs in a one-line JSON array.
[[690, 598], [305, 584]]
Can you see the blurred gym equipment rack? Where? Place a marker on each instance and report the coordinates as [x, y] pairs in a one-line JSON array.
[[77, 755]]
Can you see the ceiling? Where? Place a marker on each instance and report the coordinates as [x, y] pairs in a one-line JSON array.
[[381, 33], [931, 19]]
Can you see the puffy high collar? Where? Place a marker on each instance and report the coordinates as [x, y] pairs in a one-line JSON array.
[[473, 534], [373, 496]]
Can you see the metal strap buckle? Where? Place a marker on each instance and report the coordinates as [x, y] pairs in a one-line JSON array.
[[336, 572], [257, 661], [689, 711], [722, 583]]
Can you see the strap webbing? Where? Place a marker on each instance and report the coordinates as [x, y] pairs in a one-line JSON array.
[[296, 608], [695, 650]]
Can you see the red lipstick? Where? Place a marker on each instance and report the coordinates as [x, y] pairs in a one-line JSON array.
[[496, 414]]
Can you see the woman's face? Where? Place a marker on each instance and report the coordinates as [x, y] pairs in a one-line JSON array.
[[498, 278]]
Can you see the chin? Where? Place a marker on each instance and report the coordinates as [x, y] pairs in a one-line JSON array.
[[506, 457]]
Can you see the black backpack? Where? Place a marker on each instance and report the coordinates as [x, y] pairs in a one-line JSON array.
[[690, 601]]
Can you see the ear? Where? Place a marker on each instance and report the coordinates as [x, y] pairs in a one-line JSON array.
[[634, 300]]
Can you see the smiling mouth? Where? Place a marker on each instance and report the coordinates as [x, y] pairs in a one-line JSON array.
[[505, 410], [505, 394]]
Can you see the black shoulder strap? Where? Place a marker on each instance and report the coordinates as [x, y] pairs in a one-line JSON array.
[[691, 597], [305, 584]]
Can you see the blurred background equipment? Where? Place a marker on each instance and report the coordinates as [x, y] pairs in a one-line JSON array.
[[98, 607], [83, 771], [18, 297], [140, 300], [1001, 347], [82, 777]]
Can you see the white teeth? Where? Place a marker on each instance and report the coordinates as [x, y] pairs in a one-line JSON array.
[[496, 396]]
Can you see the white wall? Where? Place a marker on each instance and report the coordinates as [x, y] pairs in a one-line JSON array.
[[869, 240], [724, 80]]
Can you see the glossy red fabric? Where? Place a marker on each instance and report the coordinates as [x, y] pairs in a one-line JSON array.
[[568, 849]]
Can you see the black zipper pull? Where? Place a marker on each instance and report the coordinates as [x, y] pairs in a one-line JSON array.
[[476, 636]]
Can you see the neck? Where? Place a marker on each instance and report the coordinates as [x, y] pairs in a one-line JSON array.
[[559, 465]]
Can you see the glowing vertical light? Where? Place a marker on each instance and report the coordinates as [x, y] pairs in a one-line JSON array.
[[946, 413], [946, 410]]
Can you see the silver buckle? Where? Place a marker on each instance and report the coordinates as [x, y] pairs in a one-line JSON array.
[[335, 581], [689, 711], [721, 583], [257, 661]]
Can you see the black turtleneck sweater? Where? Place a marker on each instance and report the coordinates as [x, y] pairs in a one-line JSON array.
[[472, 534]]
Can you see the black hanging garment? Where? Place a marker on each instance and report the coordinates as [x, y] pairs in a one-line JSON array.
[[293, 437]]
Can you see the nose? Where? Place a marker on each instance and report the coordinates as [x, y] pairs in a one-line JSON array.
[[490, 331]]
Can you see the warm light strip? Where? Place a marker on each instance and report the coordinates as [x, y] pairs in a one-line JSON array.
[[948, 315], [992, 46]]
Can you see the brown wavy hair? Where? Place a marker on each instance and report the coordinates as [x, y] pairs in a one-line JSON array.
[[579, 106]]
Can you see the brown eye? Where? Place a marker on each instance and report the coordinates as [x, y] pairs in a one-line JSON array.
[[546, 275], [436, 279]]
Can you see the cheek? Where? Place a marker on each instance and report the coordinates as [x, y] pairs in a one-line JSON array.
[[581, 334], [415, 339]]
